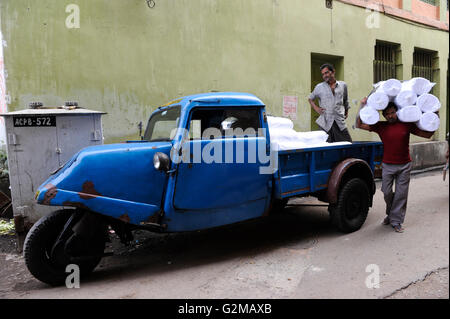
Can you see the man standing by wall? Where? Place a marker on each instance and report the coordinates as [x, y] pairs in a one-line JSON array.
[[333, 100], [396, 163]]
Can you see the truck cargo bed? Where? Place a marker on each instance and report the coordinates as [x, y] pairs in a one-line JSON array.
[[306, 171]]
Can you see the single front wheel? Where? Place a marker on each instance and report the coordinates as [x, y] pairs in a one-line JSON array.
[[46, 250]]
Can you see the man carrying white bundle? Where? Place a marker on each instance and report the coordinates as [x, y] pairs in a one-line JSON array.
[[333, 110], [396, 161]]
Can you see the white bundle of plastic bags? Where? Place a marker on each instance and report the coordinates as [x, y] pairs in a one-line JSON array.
[[378, 100], [428, 103], [429, 121], [414, 103], [419, 85], [410, 113], [390, 87], [369, 115], [405, 97]]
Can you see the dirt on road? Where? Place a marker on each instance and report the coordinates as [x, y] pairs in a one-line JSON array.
[[17, 281]]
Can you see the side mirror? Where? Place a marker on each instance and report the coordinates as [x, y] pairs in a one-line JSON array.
[[161, 162]]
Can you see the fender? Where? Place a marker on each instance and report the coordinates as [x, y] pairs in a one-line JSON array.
[[350, 167]]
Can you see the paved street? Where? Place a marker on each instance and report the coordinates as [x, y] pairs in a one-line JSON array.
[[293, 255]]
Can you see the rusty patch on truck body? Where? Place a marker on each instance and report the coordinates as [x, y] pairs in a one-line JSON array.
[[296, 191], [337, 174], [49, 194], [88, 191], [154, 219], [125, 218], [378, 172], [75, 204]]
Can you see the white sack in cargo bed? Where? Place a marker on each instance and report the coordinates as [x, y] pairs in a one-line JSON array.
[[313, 137], [428, 103], [284, 134], [429, 122], [285, 138], [279, 122], [281, 145], [284, 145], [411, 113]]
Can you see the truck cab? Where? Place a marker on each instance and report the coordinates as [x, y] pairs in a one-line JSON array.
[[212, 177]]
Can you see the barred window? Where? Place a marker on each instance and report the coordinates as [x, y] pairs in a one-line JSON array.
[[384, 65], [426, 65], [433, 2], [423, 64]]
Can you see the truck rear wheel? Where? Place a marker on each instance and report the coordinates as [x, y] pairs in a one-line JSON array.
[[351, 210], [47, 263]]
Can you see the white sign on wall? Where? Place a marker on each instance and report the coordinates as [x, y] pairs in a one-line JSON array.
[[290, 107]]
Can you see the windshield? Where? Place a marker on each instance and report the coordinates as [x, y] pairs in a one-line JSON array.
[[162, 126]]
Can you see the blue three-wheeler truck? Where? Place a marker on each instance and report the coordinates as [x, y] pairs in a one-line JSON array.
[[204, 161]]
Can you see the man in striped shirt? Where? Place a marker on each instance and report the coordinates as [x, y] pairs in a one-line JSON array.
[[333, 101]]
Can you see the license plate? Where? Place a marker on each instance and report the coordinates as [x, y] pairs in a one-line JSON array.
[[33, 121]]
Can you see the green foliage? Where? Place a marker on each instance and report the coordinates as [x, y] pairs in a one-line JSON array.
[[7, 227], [3, 164]]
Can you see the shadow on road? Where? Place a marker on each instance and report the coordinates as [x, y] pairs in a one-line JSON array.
[[296, 228]]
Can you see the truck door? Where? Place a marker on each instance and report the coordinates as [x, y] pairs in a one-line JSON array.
[[221, 171]]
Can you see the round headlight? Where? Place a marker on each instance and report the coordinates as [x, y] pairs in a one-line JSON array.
[[161, 162]]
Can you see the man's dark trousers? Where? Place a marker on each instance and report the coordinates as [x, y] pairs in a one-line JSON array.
[[336, 135], [396, 201]]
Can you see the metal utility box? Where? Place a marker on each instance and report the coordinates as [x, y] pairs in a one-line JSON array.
[[39, 141]]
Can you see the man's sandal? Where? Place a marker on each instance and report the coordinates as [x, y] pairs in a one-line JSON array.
[[386, 221], [398, 229]]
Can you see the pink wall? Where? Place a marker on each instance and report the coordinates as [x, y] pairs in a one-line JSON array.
[[393, 3], [424, 9], [421, 12]]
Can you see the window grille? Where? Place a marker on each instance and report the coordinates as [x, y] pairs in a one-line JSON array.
[[433, 2], [384, 67], [423, 64]]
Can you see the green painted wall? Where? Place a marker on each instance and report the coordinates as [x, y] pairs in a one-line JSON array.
[[125, 58]]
